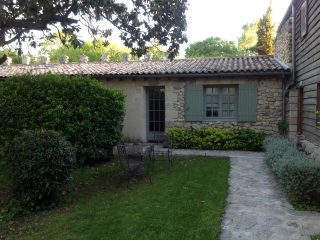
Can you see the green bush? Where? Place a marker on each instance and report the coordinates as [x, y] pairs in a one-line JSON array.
[[216, 139], [298, 173], [39, 163], [87, 113]]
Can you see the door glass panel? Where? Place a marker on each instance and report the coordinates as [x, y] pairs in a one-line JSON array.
[[156, 114]]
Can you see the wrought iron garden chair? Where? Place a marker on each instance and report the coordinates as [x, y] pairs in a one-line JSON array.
[[132, 167], [167, 151]]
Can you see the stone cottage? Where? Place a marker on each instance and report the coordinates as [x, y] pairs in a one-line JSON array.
[[226, 92]]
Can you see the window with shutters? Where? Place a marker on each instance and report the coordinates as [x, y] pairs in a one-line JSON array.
[[220, 102], [304, 18]]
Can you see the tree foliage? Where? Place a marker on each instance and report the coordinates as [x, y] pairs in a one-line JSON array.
[[94, 50], [265, 34], [140, 21], [212, 47], [10, 53], [248, 39]]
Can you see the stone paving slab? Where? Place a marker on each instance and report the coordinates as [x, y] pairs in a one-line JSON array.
[[256, 208]]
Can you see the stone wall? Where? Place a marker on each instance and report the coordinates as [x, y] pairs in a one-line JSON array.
[[310, 149], [283, 42], [269, 107], [269, 110]]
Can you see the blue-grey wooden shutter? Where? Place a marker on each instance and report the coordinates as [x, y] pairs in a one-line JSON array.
[[247, 102], [193, 95]]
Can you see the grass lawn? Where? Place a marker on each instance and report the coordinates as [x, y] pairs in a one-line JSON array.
[[315, 237], [185, 202]]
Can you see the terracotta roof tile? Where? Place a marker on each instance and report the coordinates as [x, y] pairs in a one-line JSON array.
[[257, 64]]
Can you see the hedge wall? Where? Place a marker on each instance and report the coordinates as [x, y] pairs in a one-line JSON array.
[[216, 139], [84, 110]]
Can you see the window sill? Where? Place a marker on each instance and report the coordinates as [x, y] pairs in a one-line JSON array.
[[219, 120]]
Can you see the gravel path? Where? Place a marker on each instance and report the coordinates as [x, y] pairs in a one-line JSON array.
[[256, 208]]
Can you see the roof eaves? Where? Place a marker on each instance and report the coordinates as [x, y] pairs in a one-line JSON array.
[[193, 75]]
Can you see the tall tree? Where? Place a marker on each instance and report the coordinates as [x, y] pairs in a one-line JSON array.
[[140, 21], [265, 34], [248, 39], [212, 47]]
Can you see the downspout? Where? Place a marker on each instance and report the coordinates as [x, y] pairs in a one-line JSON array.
[[293, 64]]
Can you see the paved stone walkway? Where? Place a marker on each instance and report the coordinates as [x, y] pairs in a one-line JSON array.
[[256, 208]]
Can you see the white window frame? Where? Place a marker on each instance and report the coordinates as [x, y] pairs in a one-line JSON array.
[[220, 90]]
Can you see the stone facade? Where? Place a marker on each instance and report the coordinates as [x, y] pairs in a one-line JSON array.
[[269, 109], [283, 42]]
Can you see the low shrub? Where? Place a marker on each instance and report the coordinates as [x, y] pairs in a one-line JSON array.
[[39, 163], [87, 113], [298, 174], [216, 139]]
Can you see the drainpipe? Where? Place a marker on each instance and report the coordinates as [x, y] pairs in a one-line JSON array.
[[293, 65]]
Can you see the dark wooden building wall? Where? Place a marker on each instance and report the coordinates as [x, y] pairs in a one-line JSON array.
[[308, 65]]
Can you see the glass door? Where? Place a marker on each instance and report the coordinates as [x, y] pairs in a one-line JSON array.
[[156, 113]]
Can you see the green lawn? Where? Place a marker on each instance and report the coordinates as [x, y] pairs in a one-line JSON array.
[[185, 202], [315, 237]]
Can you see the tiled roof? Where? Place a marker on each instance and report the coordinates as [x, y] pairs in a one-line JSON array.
[[225, 65]]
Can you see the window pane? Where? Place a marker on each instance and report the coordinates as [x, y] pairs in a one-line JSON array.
[[215, 91], [215, 105], [225, 113], [157, 115], [225, 106], [232, 91], [151, 105], [162, 116], [209, 113], [162, 126], [151, 116], [215, 113], [220, 102], [225, 99], [225, 91], [215, 99], [162, 105], [151, 126], [156, 105], [209, 99], [157, 126]]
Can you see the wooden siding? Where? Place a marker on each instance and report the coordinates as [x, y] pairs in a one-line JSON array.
[[308, 66]]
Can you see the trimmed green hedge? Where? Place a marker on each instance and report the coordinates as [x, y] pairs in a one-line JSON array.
[[216, 139], [39, 163], [298, 174], [84, 110]]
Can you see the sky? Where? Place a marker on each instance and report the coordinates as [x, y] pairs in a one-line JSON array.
[[225, 18]]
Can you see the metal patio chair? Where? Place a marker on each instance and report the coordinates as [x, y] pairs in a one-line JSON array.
[[168, 152], [132, 167]]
